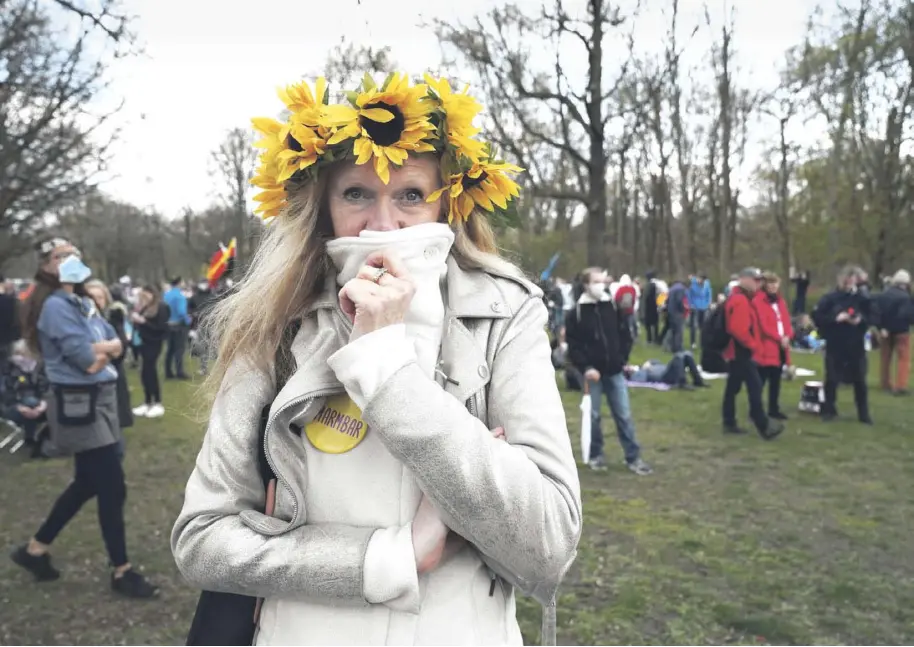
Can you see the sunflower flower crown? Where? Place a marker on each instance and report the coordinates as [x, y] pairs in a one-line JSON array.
[[383, 125]]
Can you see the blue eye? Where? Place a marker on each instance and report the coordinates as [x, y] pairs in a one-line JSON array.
[[413, 196], [354, 194]]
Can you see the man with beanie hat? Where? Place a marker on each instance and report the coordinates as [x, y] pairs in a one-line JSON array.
[[896, 315], [745, 341]]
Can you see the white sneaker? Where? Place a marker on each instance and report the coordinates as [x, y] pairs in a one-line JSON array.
[[156, 411], [141, 411]]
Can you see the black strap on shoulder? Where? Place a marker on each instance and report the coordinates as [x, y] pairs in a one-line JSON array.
[[283, 367]]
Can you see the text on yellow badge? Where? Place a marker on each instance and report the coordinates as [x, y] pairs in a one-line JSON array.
[[337, 427]]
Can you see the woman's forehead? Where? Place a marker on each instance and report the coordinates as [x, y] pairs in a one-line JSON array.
[[422, 167]]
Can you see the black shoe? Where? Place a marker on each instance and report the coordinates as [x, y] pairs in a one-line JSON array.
[[901, 393], [702, 385], [169, 376], [183, 377], [734, 429], [772, 431], [133, 585], [777, 415], [866, 420], [829, 416], [38, 565]]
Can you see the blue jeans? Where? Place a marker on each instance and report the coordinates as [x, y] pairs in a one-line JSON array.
[[620, 407]]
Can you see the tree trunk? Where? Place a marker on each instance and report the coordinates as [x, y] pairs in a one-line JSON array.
[[596, 168]]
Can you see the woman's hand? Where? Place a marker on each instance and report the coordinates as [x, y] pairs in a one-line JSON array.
[[137, 318], [379, 295], [433, 542]]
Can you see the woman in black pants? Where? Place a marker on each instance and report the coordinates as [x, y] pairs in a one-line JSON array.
[[77, 347], [151, 319]]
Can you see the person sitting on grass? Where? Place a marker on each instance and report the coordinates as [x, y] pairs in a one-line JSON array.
[[673, 372], [23, 402]]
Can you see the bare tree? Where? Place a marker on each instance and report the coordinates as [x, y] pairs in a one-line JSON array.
[[52, 148], [547, 106], [235, 160]]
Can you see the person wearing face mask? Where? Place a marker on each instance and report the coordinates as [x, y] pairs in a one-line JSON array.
[[776, 332], [400, 340], [842, 318], [741, 354], [82, 413], [599, 343]]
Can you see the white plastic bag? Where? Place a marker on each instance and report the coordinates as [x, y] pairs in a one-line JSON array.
[[585, 426]]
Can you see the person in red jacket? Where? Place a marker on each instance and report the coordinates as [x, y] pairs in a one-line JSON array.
[[741, 355], [776, 333]]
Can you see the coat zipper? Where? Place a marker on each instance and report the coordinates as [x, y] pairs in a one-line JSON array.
[[310, 396]]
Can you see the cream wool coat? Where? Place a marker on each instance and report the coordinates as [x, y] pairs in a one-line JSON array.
[[335, 563]]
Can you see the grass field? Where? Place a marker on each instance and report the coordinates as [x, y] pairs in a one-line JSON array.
[[805, 540]]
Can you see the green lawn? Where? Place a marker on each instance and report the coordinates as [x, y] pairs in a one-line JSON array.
[[804, 540]]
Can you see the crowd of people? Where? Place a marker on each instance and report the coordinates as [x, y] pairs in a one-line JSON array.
[[66, 348], [747, 332]]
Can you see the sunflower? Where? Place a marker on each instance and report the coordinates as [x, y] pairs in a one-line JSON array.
[[460, 109], [299, 99], [293, 146], [272, 198], [386, 124], [485, 184]]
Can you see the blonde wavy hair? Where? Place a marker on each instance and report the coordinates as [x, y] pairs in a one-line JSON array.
[[288, 271]]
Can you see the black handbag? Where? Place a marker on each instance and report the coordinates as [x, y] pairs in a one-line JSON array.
[[229, 618]]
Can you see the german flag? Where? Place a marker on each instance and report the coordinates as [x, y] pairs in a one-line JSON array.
[[222, 262]]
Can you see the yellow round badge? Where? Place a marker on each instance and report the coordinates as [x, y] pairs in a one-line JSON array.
[[337, 427]]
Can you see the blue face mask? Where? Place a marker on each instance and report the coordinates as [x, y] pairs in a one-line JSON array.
[[73, 270]]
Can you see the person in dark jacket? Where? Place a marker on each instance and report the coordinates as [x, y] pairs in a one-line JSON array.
[[741, 355], [9, 320], [895, 310], [801, 286], [842, 318], [151, 320], [651, 313], [677, 312], [599, 342]]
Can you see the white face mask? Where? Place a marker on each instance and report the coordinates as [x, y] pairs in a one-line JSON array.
[[596, 290]]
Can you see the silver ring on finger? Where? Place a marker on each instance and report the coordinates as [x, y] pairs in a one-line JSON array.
[[379, 274]]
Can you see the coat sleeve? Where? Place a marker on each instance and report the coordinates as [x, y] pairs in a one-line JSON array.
[[518, 502], [768, 325], [825, 313], [739, 322], [577, 349], [62, 323], [216, 550]]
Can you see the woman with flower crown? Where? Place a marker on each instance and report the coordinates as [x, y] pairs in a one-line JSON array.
[[422, 461]]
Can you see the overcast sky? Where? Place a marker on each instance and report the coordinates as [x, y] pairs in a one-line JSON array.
[[209, 66]]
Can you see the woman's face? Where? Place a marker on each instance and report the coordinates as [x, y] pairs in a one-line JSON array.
[[772, 287], [359, 200], [60, 253], [98, 296]]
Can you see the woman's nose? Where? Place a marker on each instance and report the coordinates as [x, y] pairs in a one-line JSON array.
[[382, 217]]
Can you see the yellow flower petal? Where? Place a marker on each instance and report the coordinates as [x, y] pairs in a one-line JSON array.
[[436, 195], [382, 169], [379, 115]]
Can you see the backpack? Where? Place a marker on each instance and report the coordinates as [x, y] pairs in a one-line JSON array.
[[716, 330], [625, 299]]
